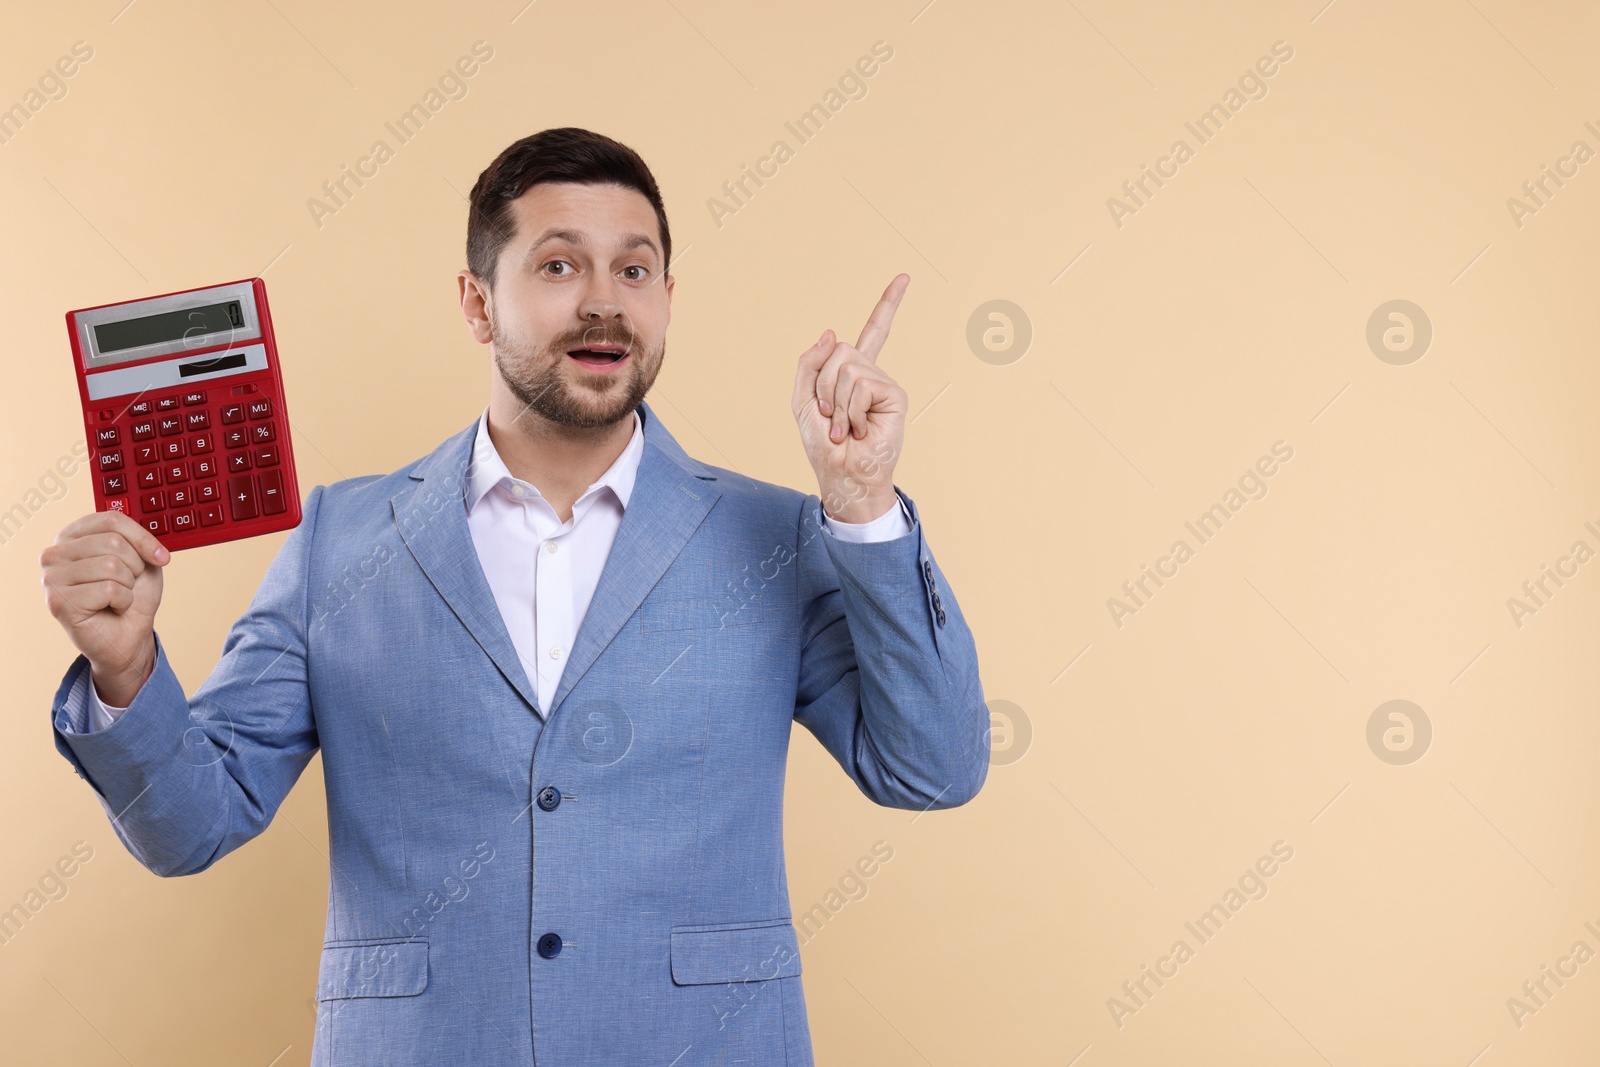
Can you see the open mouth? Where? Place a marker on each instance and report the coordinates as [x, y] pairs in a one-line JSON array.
[[599, 355]]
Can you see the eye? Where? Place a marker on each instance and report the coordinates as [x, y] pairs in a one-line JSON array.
[[640, 276], [558, 263]]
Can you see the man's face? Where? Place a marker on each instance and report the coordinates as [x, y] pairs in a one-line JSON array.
[[578, 317]]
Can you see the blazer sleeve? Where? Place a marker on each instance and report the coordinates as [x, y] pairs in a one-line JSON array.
[[888, 668], [185, 780]]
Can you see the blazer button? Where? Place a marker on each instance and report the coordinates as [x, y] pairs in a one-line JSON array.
[[550, 946], [927, 571], [549, 798], [941, 616], [938, 605]]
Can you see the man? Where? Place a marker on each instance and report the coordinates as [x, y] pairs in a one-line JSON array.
[[552, 668]]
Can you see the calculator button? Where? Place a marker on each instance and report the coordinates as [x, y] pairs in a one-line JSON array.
[[194, 398], [263, 433], [200, 442], [114, 484], [241, 497], [139, 408], [235, 438], [238, 461], [144, 430], [167, 403], [112, 460], [155, 501], [176, 472], [260, 409], [117, 503], [272, 500], [170, 424], [205, 467], [172, 449], [210, 514], [182, 520], [107, 437], [267, 456], [156, 524], [197, 420], [233, 413], [144, 454], [149, 479], [207, 492], [181, 497]]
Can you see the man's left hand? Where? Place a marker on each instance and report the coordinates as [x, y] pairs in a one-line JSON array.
[[852, 416]]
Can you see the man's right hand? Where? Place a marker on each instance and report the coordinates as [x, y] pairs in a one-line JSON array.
[[102, 582]]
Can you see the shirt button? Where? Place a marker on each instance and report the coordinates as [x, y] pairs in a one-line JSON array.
[[550, 547], [555, 652], [550, 945]]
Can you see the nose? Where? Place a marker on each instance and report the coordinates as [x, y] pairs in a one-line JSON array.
[[600, 301]]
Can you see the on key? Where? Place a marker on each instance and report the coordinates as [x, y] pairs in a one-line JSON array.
[[241, 497]]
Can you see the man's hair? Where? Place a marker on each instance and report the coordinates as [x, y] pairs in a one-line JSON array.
[[566, 154]]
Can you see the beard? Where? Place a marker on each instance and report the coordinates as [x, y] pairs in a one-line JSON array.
[[541, 380]]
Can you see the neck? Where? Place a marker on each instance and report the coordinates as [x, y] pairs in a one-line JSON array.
[[559, 461]]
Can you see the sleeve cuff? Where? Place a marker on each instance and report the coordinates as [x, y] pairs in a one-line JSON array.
[[896, 522], [83, 710]]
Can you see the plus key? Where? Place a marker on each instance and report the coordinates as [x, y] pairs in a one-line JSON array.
[[241, 497]]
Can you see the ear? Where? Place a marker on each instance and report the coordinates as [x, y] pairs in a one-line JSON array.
[[669, 284], [475, 301]]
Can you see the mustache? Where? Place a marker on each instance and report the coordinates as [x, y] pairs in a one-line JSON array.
[[588, 337]]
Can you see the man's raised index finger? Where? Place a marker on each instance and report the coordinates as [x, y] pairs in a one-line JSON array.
[[876, 330]]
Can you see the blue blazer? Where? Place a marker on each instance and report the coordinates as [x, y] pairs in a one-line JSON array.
[[601, 885]]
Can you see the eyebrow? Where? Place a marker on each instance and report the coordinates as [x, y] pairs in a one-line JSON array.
[[572, 237]]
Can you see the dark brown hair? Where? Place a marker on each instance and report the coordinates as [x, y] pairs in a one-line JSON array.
[[565, 154]]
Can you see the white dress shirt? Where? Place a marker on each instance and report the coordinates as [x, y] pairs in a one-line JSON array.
[[543, 571]]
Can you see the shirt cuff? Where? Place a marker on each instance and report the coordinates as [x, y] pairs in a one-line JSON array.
[[85, 712], [896, 522]]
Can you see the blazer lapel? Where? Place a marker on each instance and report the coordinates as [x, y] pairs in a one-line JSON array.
[[671, 496], [431, 516]]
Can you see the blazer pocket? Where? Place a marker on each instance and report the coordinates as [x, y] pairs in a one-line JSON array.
[[389, 968], [735, 952]]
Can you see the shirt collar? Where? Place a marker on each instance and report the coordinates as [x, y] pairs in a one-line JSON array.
[[489, 470]]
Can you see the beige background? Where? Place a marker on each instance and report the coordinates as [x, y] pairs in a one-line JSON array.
[[1227, 314]]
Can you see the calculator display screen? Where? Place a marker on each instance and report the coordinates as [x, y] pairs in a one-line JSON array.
[[168, 326]]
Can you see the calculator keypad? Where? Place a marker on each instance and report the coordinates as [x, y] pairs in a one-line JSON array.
[[192, 459]]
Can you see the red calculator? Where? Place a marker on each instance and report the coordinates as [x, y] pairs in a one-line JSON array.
[[183, 406]]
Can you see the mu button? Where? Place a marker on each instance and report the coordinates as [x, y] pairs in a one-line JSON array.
[[550, 946], [550, 800]]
